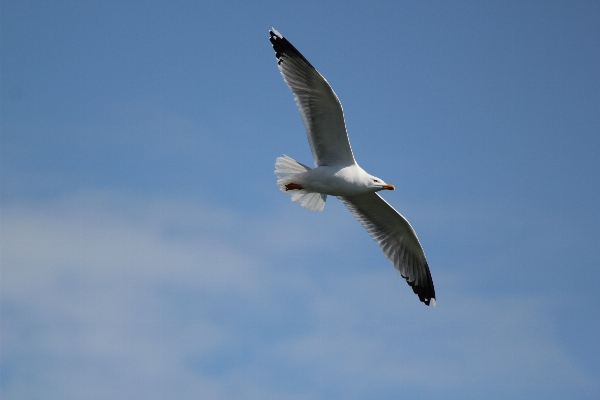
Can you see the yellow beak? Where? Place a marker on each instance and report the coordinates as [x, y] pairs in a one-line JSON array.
[[388, 187]]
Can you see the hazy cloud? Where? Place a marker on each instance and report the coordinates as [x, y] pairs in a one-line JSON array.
[[126, 297]]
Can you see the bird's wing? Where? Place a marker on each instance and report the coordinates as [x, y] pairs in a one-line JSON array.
[[397, 239], [318, 104]]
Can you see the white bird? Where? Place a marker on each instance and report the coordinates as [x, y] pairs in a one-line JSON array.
[[336, 172]]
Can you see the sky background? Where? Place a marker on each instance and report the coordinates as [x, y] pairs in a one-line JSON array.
[[147, 253]]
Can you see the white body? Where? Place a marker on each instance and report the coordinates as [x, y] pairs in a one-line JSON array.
[[336, 181]]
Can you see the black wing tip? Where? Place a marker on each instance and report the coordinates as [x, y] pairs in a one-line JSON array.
[[424, 290], [424, 298], [283, 48]]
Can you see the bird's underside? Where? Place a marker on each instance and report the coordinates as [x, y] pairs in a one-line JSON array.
[[336, 172]]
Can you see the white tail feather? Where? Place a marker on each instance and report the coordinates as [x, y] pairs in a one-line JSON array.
[[286, 166], [285, 169], [309, 200]]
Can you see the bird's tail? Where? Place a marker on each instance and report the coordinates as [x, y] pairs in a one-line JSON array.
[[285, 169]]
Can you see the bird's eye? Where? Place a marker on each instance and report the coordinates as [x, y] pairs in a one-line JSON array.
[[376, 180]]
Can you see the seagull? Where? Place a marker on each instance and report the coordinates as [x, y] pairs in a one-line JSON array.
[[337, 173]]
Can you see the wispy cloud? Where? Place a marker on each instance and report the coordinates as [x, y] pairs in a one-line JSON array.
[[128, 297]]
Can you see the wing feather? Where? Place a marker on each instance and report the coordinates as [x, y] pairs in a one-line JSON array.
[[319, 106], [396, 238]]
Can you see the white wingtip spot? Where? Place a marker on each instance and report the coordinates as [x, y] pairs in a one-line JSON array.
[[276, 33], [433, 302]]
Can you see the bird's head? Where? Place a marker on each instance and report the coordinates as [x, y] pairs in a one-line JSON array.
[[379, 184]]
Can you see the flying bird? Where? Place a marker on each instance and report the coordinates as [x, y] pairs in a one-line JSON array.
[[337, 173]]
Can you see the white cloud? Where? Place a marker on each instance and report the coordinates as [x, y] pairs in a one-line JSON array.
[[126, 297], [369, 338]]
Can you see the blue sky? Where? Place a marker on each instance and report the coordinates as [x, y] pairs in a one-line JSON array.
[[147, 252]]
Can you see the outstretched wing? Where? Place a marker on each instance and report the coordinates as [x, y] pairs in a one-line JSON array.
[[396, 238], [319, 106]]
